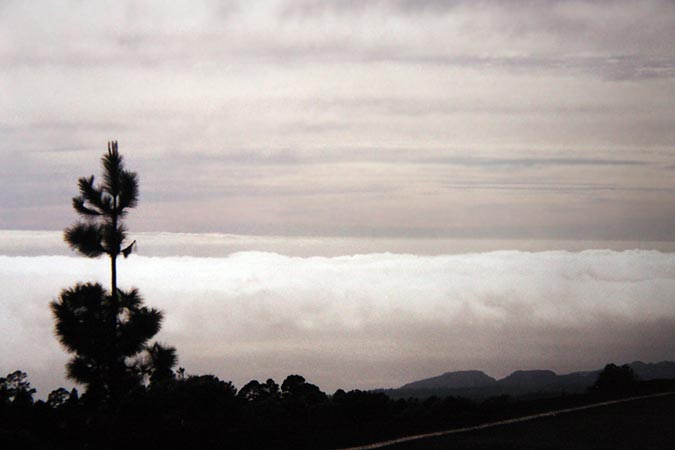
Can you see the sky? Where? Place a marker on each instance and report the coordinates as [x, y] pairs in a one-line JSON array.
[[401, 118], [363, 192]]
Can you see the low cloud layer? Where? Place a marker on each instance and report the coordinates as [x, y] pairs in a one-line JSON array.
[[365, 321]]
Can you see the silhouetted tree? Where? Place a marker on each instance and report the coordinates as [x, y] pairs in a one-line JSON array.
[[615, 379], [271, 389], [15, 389], [106, 330], [251, 392], [295, 387], [104, 207], [255, 391], [206, 396], [157, 362], [58, 398]]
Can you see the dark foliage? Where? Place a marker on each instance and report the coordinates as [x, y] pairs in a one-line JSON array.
[[208, 413], [102, 207], [157, 362], [58, 398], [108, 331], [15, 390], [104, 338], [257, 392], [615, 379]]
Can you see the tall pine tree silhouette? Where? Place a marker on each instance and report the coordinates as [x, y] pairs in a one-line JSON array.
[[107, 331]]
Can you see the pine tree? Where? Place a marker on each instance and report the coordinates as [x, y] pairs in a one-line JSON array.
[[107, 331]]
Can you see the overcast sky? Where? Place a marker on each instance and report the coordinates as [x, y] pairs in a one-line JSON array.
[[509, 119]]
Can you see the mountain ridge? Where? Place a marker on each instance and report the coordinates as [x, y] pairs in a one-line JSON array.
[[456, 379], [477, 384]]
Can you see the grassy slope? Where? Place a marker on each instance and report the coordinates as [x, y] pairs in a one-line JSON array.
[[640, 424]]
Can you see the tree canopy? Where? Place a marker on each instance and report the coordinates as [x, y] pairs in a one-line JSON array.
[[108, 331]]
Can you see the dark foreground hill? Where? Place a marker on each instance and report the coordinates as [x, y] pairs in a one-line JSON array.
[[477, 385], [647, 424], [202, 411]]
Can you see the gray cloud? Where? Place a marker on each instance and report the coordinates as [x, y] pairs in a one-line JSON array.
[[297, 157], [396, 317], [563, 27], [317, 7], [421, 107], [550, 37], [530, 162], [393, 113]]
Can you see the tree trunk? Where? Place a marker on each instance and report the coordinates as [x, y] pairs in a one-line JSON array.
[[113, 259], [115, 362], [113, 276]]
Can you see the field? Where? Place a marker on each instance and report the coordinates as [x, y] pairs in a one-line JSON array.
[[640, 424]]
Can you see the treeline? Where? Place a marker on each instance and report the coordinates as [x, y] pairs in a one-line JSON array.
[[202, 411]]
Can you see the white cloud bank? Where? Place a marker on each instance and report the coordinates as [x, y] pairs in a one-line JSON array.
[[366, 321]]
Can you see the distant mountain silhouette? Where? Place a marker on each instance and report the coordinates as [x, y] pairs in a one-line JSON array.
[[454, 380], [477, 384], [531, 379], [654, 371]]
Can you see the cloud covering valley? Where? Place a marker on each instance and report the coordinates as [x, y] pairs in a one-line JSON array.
[[366, 321]]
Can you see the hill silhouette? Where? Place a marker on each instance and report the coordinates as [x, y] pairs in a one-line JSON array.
[[531, 379], [454, 380], [476, 384]]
